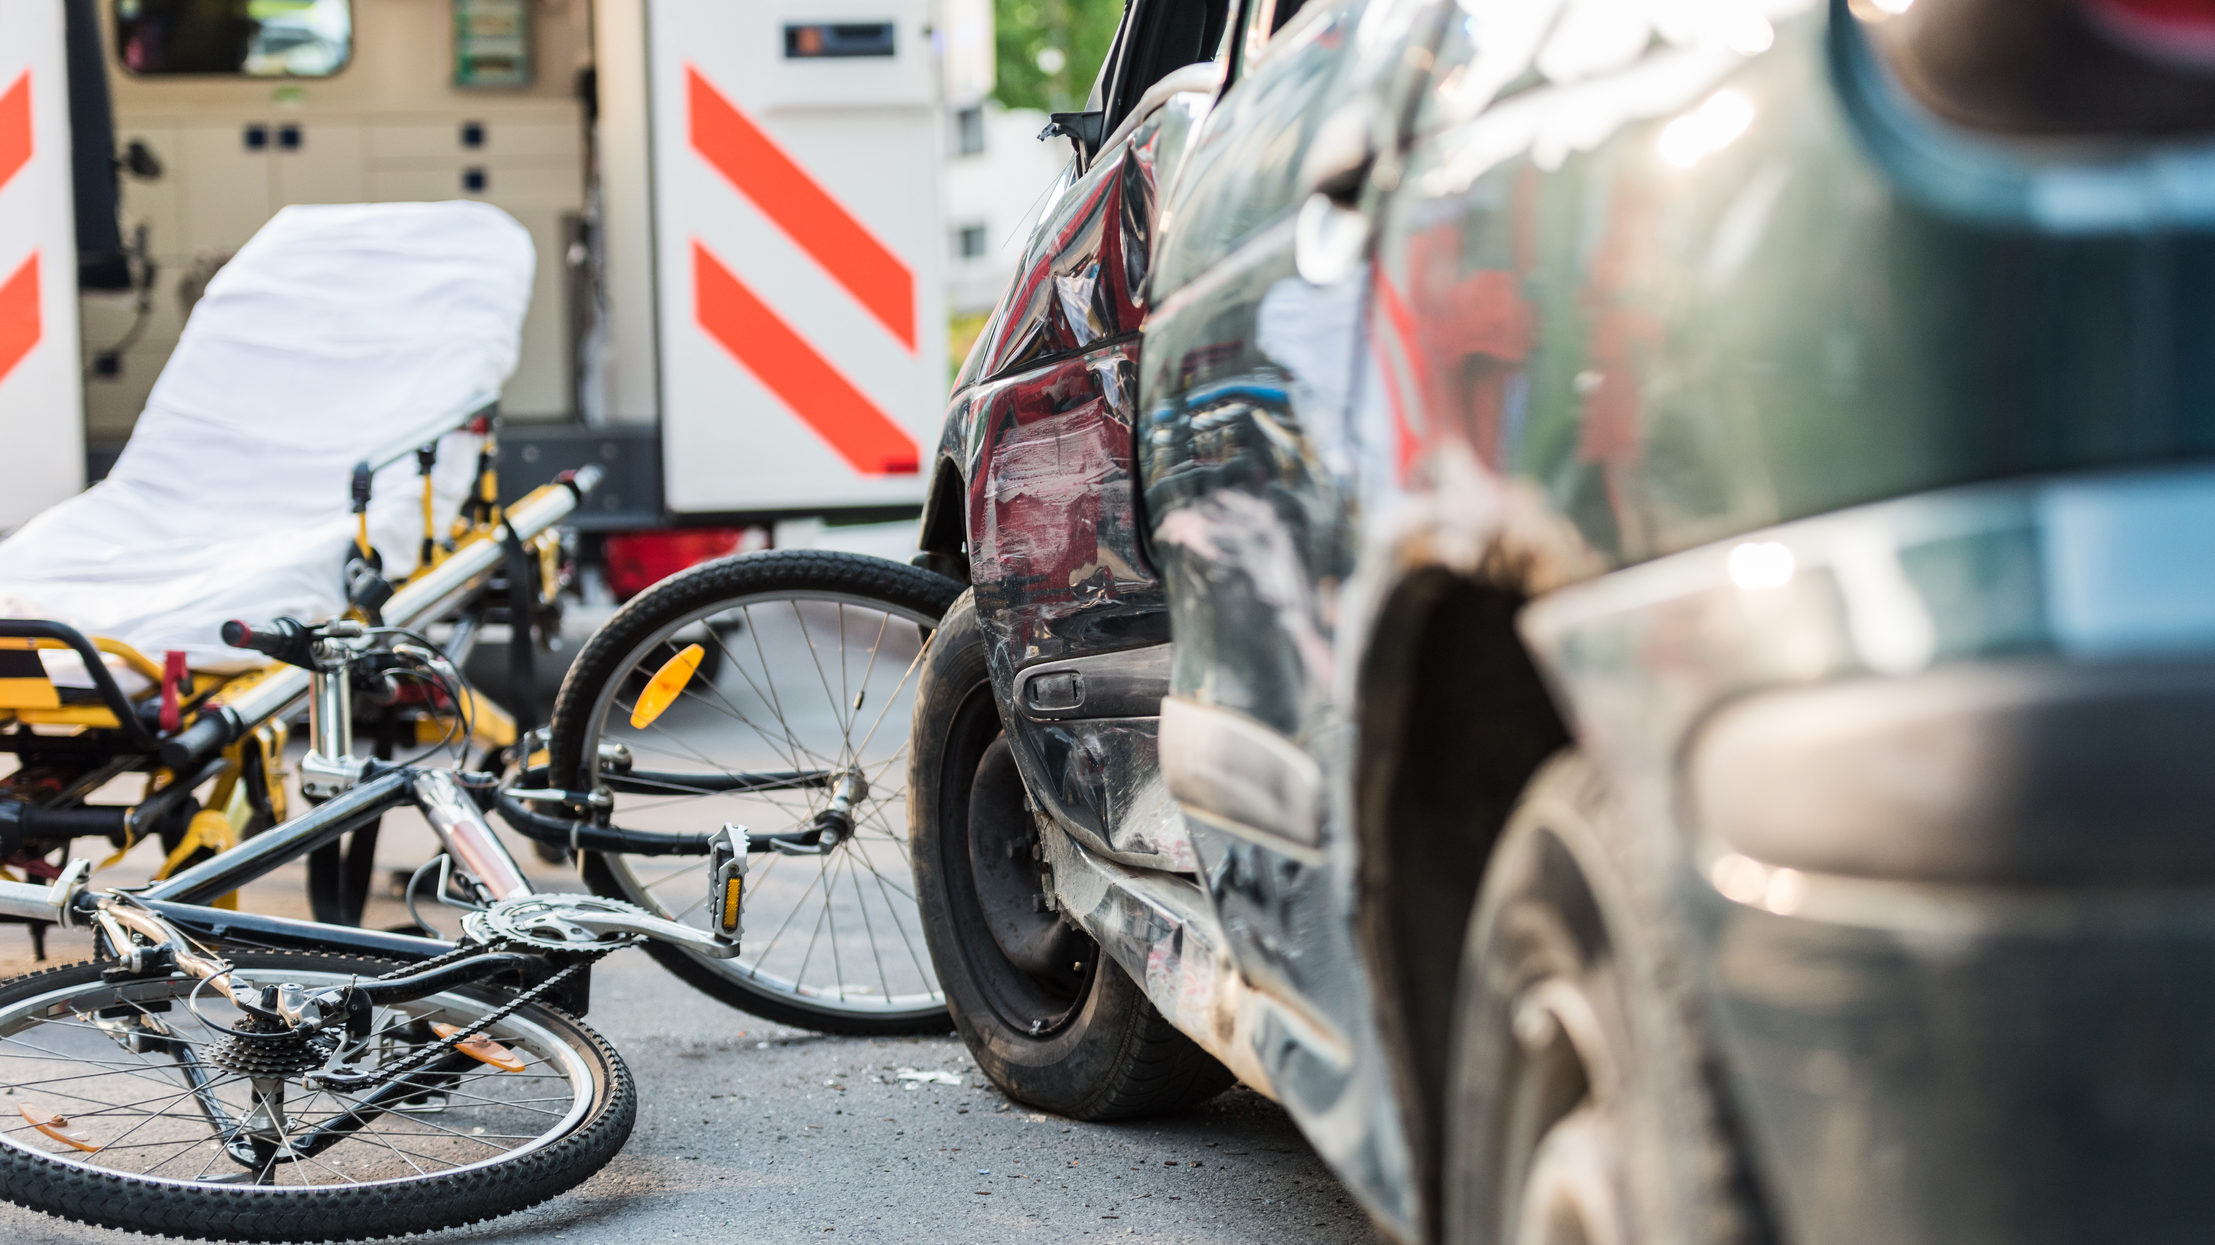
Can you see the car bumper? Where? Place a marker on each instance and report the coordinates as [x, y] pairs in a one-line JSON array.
[[2014, 1068]]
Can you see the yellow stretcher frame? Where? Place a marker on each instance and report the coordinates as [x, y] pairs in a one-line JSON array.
[[113, 726]]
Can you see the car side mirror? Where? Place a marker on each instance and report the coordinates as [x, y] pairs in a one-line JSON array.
[[1085, 129]]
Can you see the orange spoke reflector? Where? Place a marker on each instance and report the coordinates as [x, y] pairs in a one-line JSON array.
[[482, 1049], [56, 1125], [667, 684]]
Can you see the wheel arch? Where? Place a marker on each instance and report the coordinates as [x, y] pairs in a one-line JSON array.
[[945, 528], [1454, 720]]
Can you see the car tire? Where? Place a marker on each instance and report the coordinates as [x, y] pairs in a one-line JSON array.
[[1584, 1101], [1065, 1029]]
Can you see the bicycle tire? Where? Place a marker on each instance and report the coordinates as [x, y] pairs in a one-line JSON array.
[[610, 657], [260, 1213]]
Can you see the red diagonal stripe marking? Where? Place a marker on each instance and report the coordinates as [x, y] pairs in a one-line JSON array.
[[19, 329], [15, 128], [727, 139], [804, 380]]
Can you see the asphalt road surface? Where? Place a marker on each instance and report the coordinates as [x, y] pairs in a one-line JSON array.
[[752, 1132]]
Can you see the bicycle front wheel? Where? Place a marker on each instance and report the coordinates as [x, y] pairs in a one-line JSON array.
[[135, 1104], [806, 668]]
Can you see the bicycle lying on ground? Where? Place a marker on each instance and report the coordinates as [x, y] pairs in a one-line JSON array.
[[237, 1076]]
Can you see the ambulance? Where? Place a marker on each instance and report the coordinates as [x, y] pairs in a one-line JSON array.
[[738, 309]]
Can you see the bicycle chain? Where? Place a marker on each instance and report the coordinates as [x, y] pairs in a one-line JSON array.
[[356, 1082], [440, 960]]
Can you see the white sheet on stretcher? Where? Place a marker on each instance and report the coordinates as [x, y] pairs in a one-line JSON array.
[[335, 335]]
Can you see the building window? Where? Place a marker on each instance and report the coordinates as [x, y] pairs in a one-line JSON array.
[[969, 131], [296, 39], [969, 242]]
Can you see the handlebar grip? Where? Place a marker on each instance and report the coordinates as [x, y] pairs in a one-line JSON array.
[[286, 639], [584, 479], [213, 731]]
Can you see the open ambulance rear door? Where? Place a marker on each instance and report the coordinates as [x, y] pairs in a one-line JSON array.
[[42, 453]]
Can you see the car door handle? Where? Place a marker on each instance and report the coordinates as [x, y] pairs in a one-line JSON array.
[[1128, 683], [1342, 153], [1331, 233]]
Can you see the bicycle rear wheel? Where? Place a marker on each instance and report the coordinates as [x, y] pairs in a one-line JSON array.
[[131, 1104], [808, 666]]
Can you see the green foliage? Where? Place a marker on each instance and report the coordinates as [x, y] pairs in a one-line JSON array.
[[1027, 31]]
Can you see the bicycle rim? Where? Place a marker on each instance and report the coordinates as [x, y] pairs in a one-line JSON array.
[[797, 680], [100, 1077]]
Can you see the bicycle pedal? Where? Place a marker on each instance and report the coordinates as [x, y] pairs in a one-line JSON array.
[[727, 881]]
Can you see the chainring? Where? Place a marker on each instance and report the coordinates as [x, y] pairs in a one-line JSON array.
[[541, 922]]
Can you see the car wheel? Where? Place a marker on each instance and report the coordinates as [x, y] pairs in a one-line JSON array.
[[1051, 1021], [1583, 1102]]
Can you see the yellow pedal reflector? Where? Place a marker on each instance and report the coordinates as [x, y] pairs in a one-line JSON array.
[[482, 1049], [734, 890], [667, 684], [58, 1126]]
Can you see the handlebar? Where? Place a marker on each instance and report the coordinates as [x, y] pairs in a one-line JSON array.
[[218, 727], [223, 723], [287, 639]]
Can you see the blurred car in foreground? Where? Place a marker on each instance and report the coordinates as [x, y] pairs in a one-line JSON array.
[[1615, 603]]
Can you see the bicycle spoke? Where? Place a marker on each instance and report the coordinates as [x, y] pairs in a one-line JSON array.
[[884, 621], [788, 918], [901, 927], [375, 1134], [817, 933], [861, 901], [150, 1118], [830, 912], [885, 881], [776, 705], [817, 658], [185, 1148], [898, 840], [897, 688]]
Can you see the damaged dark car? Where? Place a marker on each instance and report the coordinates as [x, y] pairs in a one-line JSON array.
[[1612, 602]]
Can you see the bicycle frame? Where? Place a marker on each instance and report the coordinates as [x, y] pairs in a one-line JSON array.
[[161, 932], [181, 897], [446, 802]]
